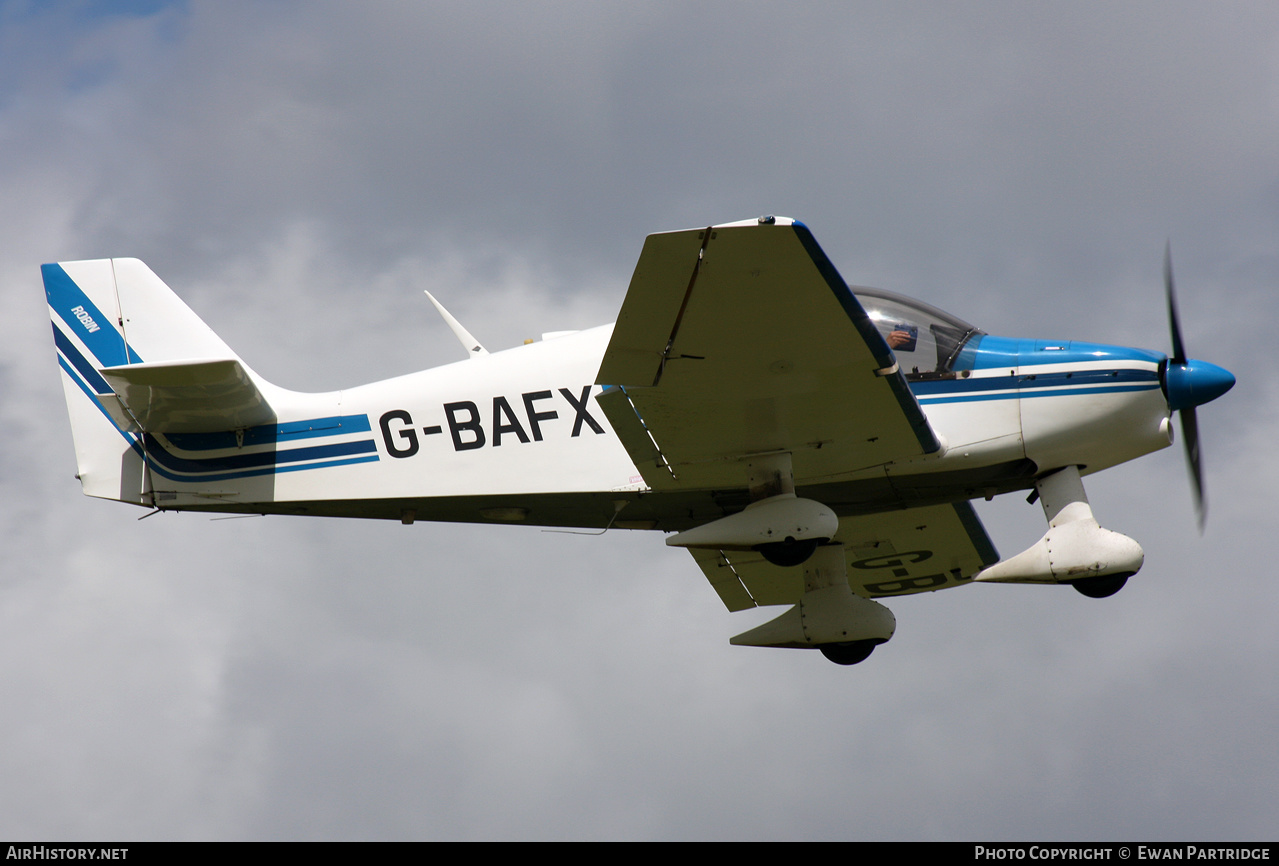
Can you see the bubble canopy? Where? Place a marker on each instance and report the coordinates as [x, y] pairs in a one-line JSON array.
[[928, 343]]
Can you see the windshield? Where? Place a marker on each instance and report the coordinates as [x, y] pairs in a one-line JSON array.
[[926, 341]]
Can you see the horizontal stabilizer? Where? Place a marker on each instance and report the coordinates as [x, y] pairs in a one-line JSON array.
[[200, 396]]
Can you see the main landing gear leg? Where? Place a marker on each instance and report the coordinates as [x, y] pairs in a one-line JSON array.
[[1075, 550], [771, 476], [783, 528], [829, 617]]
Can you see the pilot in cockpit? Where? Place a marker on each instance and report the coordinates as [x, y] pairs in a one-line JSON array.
[[903, 337]]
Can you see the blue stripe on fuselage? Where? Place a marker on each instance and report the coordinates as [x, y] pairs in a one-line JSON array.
[[240, 465], [267, 434], [1024, 356], [1090, 381], [254, 459]]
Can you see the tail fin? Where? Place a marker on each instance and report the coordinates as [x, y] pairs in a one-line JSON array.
[[136, 361]]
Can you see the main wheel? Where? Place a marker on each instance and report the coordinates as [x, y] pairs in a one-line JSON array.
[[1101, 587], [849, 653], [789, 552]]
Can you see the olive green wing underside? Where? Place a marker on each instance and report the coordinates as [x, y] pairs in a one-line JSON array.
[[890, 553], [740, 340]]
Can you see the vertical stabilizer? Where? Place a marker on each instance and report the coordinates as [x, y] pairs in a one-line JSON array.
[[113, 313]]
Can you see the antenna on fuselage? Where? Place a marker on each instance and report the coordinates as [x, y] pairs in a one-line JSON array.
[[469, 343]]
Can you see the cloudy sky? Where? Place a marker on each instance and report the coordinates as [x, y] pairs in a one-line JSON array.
[[300, 171]]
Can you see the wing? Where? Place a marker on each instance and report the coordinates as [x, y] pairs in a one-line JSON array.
[[742, 339], [891, 553]]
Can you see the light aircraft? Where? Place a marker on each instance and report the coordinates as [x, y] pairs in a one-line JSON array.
[[811, 444]]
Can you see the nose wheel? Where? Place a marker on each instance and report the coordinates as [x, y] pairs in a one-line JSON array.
[[1076, 550], [1101, 587]]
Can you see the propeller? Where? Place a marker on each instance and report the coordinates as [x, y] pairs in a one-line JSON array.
[[1187, 384]]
